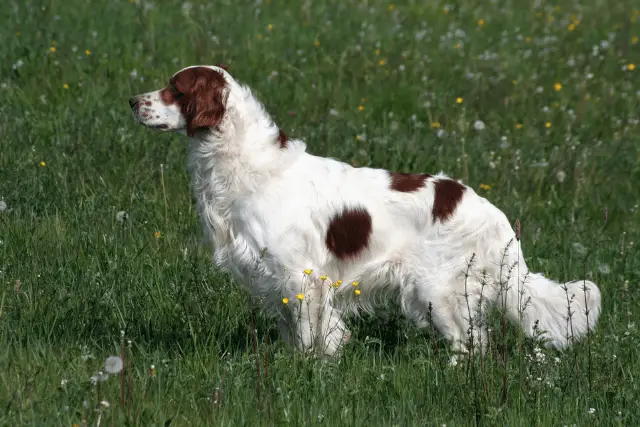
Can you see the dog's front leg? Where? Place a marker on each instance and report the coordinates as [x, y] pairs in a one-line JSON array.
[[313, 325]]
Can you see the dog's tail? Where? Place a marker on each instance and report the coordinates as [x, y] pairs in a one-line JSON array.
[[560, 313]]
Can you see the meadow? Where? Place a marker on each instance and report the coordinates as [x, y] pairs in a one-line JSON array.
[[536, 105]]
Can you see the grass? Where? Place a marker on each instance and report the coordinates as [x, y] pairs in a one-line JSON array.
[[556, 85]]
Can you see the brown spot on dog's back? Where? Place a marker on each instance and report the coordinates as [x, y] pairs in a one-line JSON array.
[[407, 182], [283, 139], [349, 232], [448, 194]]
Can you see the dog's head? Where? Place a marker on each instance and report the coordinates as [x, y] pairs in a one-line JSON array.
[[194, 100]]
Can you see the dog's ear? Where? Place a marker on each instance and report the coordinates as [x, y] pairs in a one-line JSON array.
[[204, 102], [223, 66]]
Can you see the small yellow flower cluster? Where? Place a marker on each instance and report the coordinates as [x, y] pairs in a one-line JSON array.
[[157, 234], [631, 67], [547, 125], [485, 187], [308, 272], [557, 86], [269, 27], [300, 296], [481, 22], [435, 125], [43, 164], [285, 301], [519, 126], [337, 284], [323, 277], [459, 100], [65, 86]]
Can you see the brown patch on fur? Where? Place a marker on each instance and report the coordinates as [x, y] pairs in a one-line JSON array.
[[349, 232], [200, 93], [283, 139], [407, 182], [223, 66], [448, 194]]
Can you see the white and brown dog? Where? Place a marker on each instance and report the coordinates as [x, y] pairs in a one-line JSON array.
[[329, 237]]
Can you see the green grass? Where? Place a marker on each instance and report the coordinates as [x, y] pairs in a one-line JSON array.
[[72, 277]]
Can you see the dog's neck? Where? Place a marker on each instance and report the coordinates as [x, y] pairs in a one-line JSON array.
[[234, 161]]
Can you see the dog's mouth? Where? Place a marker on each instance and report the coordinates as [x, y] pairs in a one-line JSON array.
[[158, 127]]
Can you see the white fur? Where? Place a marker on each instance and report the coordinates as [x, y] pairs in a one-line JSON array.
[[265, 211]]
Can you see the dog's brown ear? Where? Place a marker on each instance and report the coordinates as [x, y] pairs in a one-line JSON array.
[[223, 66]]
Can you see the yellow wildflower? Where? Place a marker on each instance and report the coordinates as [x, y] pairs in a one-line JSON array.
[[391, 7], [300, 296], [459, 100], [357, 292], [527, 39], [557, 86], [360, 107], [382, 61], [157, 234], [52, 49], [316, 42], [631, 67], [355, 284], [87, 52], [635, 39], [336, 284], [43, 164], [572, 27], [285, 301], [308, 271], [435, 125], [65, 86], [269, 27], [481, 22], [377, 51], [323, 277], [485, 187], [519, 125], [547, 125]]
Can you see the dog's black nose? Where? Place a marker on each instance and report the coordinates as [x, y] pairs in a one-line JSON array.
[[133, 101]]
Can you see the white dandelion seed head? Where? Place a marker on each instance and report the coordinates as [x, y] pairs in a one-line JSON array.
[[604, 268], [591, 411], [579, 248], [122, 216], [560, 176], [105, 404], [3, 206], [479, 125], [113, 364]]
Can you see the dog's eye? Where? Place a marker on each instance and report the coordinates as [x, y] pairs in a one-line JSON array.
[[175, 92]]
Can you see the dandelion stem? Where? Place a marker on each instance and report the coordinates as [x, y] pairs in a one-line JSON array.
[[164, 195]]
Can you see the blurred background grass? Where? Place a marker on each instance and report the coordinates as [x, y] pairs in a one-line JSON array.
[[535, 105]]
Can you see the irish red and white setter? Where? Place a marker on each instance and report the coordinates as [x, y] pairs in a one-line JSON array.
[[313, 237]]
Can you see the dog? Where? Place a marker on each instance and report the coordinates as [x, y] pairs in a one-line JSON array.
[[314, 238]]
